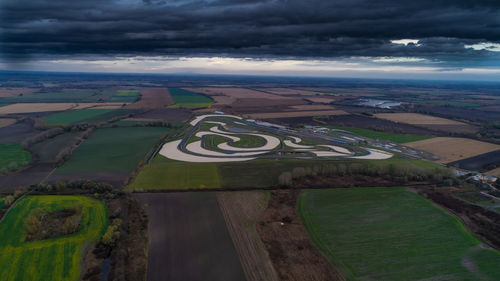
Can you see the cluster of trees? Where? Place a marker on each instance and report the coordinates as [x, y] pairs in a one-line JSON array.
[[48, 134], [40, 224], [397, 173], [10, 199], [112, 233], [84, 185]]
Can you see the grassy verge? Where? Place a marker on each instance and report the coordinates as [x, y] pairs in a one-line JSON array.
[[57, 258], [392, 234]]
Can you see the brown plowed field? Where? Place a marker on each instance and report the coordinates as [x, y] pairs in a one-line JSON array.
[[292, 253], [453, 149], [4, 122], [312, 107], [164, 114], [427, 121], [35, 107], [188, 238], [236, 93], [241, 211], [291, 114], [14, 92], [153, 98], [290, 91]]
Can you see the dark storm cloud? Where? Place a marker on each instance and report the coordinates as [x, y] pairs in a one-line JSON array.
[[265, 28]]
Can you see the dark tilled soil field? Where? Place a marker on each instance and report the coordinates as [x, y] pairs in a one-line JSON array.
[[188, 238], [16, 133], [173, 114], [360, 122], [463, 113], [27, 177], [479, 162], [285, 237]]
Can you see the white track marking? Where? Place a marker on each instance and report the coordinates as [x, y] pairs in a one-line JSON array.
[[215, 122], [171, 151], [196, 147], [201, 117], [294, 145], [375, 154], [337, 148], [203, 133], [271, 143], [320, 153]]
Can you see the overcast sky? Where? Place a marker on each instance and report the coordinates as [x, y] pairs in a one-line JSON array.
[[442, 39]]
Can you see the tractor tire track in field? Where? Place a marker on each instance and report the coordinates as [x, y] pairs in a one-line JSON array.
[[241, 211], [188, 238]]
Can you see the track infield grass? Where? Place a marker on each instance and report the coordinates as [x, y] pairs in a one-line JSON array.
[[393, 234], [57, 258]]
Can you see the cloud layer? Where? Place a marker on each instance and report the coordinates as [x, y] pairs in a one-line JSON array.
[[283, 29]]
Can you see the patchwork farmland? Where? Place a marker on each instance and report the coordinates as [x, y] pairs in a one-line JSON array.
[[202, 178]]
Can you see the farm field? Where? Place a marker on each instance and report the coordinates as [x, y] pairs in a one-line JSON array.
[[126, 96], [13, 92], [112, 150], [13, 153], [63, 96], [188, 238], [397, 138], [453, 149], [363, 231], [241, 210], [494, 172], [5, 122], [291, 114], [48, 149], [74, 116], [176, 176], [57, 258], [18, 108], [427, 121], [187, 99], [157, 98], [165, 174], [480, 162]]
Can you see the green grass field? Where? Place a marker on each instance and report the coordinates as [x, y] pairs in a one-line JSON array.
[[397, 138], [188, 99], [10, 153], [113, 150], [164, 173], [74, 116], [57, 258], [393, 234], [125, 96], [177, 176], [66, 95]]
